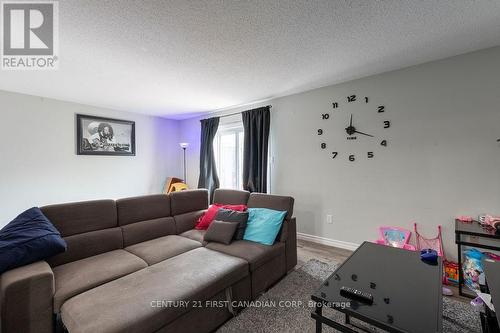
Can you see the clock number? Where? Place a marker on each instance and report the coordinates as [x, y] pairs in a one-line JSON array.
[[351, 98], [366, 99], [387, 124], [351, 158], [334, 154], [384, 143], [323, 145], [320, 132], [381, 109], [325, 116], [370, 154], [335, 105]]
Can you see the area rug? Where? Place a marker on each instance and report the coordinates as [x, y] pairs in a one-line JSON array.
[[295, 317]]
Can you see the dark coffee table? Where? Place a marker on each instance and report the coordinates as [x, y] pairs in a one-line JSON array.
[[492, 272], [406, 291]]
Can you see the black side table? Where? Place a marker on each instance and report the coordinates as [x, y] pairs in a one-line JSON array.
[[463, 231]]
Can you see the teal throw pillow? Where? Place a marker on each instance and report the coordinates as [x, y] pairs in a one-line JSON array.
[[263, 225]]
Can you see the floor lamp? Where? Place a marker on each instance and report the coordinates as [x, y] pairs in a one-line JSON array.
[[184, 145]]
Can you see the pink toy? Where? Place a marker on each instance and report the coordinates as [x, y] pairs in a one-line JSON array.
[[493, 221], [395, 237], [464, 218], [435, 243]]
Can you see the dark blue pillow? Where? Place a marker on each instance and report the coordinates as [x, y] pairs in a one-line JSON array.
[[30, 237]]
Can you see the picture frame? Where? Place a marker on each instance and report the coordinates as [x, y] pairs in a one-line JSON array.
[[104, 136]]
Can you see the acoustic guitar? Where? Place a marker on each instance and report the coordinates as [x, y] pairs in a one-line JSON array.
[[174, 185]]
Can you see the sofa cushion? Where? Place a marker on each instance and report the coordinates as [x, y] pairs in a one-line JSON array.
[[263, 225], [194, 234], [76, 277], [231, 197], [88, 244], [187, 221], [143, 231], [108, 308], [276, 202], [228, 215], [147, 207], [256, 254], [28, 238], [162, 248], [79, 217], [208, 217], [220, 231], [188, 201]]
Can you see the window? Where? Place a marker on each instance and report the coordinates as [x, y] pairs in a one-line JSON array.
[[228, 150]]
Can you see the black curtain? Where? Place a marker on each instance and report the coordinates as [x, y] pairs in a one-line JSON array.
[[208, 172], [255, 147]]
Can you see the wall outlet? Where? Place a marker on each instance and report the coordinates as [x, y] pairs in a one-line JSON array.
[[329, 219]]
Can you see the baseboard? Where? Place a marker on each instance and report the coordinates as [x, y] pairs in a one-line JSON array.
[[328, 241]]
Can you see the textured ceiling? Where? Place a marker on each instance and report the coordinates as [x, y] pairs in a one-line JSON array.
[[176, 58]]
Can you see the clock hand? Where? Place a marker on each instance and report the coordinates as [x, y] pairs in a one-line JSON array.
[[363, 133], [350, 129]]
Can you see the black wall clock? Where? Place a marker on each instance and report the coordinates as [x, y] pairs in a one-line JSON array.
[[348, 113]]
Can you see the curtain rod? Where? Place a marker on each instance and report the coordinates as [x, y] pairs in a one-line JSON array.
[[233, 114]]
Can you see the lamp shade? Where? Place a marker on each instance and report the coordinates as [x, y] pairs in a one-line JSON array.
[[184, 145]]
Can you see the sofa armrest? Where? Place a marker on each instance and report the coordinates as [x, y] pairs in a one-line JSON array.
[[289, 237], [26, 299], [285, 230]]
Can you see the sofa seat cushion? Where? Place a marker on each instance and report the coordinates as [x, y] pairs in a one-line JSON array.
[[132, 303], [162, 248], [194, 234], [256, 254], [76, 277]]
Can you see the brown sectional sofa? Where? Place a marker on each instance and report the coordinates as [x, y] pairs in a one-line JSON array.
[[127, 258]]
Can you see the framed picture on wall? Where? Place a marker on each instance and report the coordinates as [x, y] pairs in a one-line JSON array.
[[104, 136]]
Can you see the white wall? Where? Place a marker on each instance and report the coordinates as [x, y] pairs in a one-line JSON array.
[[442, 161], [39, 165]]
